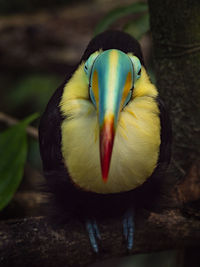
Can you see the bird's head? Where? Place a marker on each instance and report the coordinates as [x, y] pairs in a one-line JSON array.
[[111, 76]]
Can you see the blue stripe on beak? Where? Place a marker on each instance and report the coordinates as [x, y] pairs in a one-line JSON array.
[[111, 80]]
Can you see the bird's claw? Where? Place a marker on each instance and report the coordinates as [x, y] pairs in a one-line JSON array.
[[129, 228], [93, 232]]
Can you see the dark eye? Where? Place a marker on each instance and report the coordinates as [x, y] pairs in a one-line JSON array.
[[89, 63]]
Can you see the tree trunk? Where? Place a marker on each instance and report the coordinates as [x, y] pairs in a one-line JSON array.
[[33, 242], [176, 37], [175, 29]]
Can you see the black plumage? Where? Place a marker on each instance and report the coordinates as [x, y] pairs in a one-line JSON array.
[[71, 200]]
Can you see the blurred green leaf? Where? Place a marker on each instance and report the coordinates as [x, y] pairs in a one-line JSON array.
[[33, 92], [33, 156], [117, 13], [13, 152], [139, 27]]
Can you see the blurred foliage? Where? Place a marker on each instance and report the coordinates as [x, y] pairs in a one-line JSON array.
[[22, 96], [33, 156], [157, 259], [32, 91], [19, 6], [13, 152], [136, 26]]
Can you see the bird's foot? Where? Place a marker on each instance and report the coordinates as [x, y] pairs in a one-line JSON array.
[[94, 234], [129, 228]]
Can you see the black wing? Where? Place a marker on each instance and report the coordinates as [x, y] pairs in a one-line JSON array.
[[50, 130], [50, 133], [55, 172]]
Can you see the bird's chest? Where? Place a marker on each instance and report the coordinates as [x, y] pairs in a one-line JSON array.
[[135, 150]]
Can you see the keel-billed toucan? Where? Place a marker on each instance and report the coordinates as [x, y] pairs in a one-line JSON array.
[[105, 136]]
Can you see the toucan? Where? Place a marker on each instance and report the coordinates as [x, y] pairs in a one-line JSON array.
[[105, 137]]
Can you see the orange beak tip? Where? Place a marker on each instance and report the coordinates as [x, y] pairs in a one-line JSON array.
[[105, 179]]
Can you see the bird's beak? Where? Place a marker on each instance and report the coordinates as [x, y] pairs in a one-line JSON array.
[[110, 80], [107, 134]]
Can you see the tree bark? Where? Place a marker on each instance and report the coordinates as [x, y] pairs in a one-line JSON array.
[[33, 241], [175, 29]]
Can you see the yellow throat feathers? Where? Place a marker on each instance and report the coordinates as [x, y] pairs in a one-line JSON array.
[[137, 141]]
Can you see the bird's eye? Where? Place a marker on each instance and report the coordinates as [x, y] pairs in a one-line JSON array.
[[136, 67], [86, 67], [89, 63]]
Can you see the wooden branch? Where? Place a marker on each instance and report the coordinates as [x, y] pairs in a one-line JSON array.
[[33, 241], [33, 132], [186, 190]]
